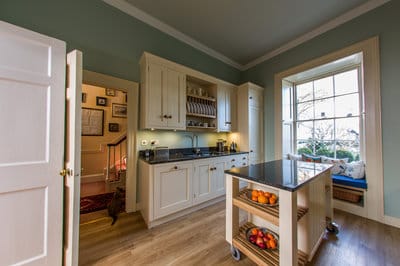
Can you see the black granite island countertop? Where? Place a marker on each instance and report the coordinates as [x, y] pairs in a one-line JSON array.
[[283, 174]]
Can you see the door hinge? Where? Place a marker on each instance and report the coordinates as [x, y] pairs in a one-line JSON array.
[[66, 172]]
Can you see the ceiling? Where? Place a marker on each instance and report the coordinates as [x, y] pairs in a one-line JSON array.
[[244, 33]]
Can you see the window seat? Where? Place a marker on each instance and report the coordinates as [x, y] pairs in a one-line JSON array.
[[348, 189], [350, 182]]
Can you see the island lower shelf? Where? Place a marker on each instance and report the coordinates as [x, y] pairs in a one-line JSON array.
[[260, 256]]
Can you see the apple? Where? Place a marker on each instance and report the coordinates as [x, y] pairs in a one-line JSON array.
[[262, 245], [266, 239], [259, 241], [260, 234], [253, 239]]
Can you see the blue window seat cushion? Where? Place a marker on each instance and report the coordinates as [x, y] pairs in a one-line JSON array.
[[348, 181]]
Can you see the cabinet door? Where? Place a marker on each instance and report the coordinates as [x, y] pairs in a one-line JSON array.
[[218, 178], [172, 188], [202, 181], [175, 100], [156, 97], [226, 111], [255, 133]]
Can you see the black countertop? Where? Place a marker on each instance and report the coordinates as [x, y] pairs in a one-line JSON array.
[[283, 174], [177, 155]]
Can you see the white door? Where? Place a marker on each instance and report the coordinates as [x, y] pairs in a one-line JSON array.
[[202, 182], [72, 159], [32, 86]]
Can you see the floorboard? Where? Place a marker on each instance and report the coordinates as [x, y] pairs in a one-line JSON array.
[[199, 239]]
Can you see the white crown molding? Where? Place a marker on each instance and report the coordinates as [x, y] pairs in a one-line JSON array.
[[318, 31], [146, 18]]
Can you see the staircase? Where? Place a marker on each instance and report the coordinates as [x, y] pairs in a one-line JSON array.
[[115, 171]]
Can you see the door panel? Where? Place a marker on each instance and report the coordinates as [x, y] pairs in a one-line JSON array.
[[219, 177], [156, 96], [176, 103], [202, 181], [72, 181], [32, 83], [172, 188]]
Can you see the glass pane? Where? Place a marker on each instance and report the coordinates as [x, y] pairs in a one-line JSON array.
[[348, 149], [324, 130], [325, 148], [304, 146], [348, 129], [347, 105], [324, 108], [304, 130], [346, 82], [304, 92], [323, 87], [305, 111]]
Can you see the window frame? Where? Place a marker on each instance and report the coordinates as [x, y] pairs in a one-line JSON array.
[[360, 116]]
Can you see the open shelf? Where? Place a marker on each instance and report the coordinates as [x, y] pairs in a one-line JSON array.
[[211, 99], [260, 256], [269, 213], [201, 115]]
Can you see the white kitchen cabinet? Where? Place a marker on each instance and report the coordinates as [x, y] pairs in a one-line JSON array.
[[202, 181], [226, 112], [162, 95], [240, 160], [172, 188], [251, 121], [218, 177]]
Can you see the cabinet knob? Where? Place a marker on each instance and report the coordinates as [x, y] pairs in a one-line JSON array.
[[228, 123], [251, 97], [165, 116], [170, 116], [251, 150], [233, 160], [244, 163], [233, 166], [175, 167], [244, 158]]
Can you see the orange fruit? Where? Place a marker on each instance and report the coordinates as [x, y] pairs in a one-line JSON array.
[[262, 199], [272, 244], [272, 200], [254, 198], [254, 193], [254, 231], [267, 194], [260, 192], [270, 236], [274, 196]]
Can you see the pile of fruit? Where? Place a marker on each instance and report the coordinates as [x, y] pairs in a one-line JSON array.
[[263, 240], [263, 197]]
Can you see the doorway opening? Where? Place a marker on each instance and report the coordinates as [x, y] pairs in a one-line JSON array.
[[103, 149]]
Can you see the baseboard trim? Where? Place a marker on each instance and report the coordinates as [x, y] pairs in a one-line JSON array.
[[393, 221], [93, 178]]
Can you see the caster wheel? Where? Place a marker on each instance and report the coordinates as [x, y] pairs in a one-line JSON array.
[[333, 228], [235, 253]]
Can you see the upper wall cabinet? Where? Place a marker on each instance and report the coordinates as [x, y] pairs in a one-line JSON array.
[[173, 96], [251, 121], [162, 95], [226, 107]]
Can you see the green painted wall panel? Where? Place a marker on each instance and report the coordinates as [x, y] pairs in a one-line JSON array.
[[383, 22], [111, 41]]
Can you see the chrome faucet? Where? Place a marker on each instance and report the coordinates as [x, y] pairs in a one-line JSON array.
[[196, 150]]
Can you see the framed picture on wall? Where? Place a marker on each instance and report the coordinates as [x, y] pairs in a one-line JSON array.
[[119, 110], [84, 95], [101, 101], [113, 127], [92, 122], [110, 92]]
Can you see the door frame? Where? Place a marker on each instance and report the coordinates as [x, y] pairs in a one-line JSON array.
[[132, 88]]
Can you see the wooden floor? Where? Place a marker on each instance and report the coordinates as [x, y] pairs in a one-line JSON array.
[[199, 239]]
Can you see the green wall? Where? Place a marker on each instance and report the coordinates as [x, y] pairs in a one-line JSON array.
[[384, 22], [111, 41]]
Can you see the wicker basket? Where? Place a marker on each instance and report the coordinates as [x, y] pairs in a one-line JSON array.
[[347, 195]]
